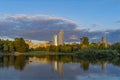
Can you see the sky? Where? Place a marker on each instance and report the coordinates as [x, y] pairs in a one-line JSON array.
[[87, 14]]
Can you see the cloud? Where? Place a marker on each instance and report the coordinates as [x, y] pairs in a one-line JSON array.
[[94, 38], [43, 27], [73, 37], [96, 25], [36, 22], [33, 26]]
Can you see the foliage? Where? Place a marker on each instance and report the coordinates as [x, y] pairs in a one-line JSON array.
[[116, 46], [11, 47], [18, 45], [85, 41], [93, 54], [5, 47]]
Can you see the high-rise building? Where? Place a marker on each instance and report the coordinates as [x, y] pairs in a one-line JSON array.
[[104, 39], [55, 40], [61, 37]]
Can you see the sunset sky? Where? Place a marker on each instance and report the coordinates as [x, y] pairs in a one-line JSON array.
[[87, 14]]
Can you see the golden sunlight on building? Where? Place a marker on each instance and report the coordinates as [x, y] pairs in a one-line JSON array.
[[33, 45]]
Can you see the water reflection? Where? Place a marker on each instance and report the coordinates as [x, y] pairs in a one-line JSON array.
[[39, 60], [18, 62], [57, 62], [84, 65], [56, 65]]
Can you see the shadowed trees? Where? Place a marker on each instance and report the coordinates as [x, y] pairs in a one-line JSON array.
[[20, 45], [17, 45]]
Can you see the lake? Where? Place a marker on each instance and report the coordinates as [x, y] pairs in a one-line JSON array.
[[57, 68]]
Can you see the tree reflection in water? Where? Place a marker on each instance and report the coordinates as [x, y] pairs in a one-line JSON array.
[[18, 62], [57, 61]]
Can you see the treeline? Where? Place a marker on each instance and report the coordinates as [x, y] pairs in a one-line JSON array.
[[77, 47], [85, 45], [18, 45], [87, 51]]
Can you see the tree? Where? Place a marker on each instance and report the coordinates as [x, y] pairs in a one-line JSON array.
[[1, 45], [93, 46], [85, 41], [102, 46], [66, 49], [11, 46], [5, 47], [20, 45], [116, 46]]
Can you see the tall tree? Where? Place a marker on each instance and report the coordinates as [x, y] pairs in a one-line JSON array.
[[11, 46], [20, 45], [85, 41], [5, 47]]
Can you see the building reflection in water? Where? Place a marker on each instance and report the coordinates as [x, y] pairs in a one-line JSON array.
[[39, 60], [59, 67], [19, 62], [103, 65], [55, 65]]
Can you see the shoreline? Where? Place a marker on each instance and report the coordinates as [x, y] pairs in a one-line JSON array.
[[83, 54]]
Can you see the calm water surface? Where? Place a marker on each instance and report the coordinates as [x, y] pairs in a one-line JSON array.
[[56, 68]]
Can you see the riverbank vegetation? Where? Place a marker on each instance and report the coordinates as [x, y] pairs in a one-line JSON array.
[[18, 45], [85, 50]]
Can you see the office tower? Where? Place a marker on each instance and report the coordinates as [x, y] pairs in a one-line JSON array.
[[61, 37], [104, 39], [55, 40]]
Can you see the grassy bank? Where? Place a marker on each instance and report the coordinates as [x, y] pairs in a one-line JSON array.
[[86, 54], [97, 54]]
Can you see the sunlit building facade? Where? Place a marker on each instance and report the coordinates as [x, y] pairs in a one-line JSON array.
[[103, 39], [61, 37], [55, 40]]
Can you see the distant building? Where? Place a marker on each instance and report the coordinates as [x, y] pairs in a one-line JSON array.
[[55, 40], [49, 43], [33, 45], [61, 37], [103, 39]]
